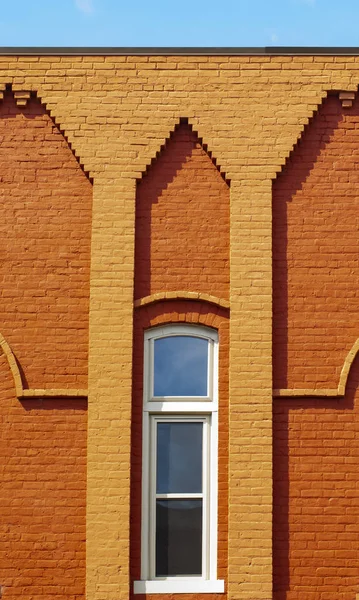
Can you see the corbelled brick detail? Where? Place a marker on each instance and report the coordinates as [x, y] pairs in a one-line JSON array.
[[182, 242]]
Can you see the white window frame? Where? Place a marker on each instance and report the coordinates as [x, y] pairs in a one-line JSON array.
[[177, 409]]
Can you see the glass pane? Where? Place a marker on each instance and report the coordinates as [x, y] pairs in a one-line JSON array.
[[179, 458], [180, 366], [178, 537]]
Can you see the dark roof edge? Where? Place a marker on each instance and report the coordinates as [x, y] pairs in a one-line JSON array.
[[173, 51]]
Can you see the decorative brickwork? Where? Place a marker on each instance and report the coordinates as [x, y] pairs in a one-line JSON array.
[[316, 459], [176, 311], [315, 250], [182, 221], [291, 153], [45, 222]]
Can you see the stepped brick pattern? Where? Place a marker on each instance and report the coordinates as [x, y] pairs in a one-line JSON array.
[[228, 182]]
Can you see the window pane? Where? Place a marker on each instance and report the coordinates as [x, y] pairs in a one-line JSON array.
[[178, 537], [180, 366], [179, 458]]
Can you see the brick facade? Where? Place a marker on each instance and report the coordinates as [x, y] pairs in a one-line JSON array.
[[140, 190]]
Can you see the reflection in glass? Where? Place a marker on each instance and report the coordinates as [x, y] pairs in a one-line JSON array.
[[179, 458], [178, 537], [180, 366]]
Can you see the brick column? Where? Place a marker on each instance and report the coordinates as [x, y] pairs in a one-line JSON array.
[[250, 393], [110, 372]]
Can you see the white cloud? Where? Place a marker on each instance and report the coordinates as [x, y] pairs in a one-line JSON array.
[[274, 38], [85, 6]]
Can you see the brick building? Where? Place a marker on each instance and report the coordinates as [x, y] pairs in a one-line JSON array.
[[157, 204]]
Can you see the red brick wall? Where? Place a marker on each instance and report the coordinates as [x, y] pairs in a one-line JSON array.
[[316, 447], [182, 222], [45, 225], [316, 251], [42, 495], [316, 499], [45, 228]]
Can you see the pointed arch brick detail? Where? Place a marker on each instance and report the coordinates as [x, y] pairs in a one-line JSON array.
[[182, 220], [183, 121]]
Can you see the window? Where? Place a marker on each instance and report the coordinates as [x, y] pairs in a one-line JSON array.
[[179, 479]]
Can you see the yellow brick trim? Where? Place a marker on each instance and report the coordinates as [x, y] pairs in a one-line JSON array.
[[54, 393], [33, 393], [298, 393], [181, 295], [330, 393], [8, 353], [22, 97], [185, 121]]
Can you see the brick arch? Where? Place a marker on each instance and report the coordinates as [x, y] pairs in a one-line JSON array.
[[45, 228], [348, 364], [165, 313], [8, 354]]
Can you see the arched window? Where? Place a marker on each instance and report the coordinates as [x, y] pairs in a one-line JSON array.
[[179, 456]]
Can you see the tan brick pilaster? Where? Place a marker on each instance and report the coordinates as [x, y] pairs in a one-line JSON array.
[[250, 421], [109, 410]]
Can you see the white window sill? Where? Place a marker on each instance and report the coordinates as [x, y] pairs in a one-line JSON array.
[[179, 586]]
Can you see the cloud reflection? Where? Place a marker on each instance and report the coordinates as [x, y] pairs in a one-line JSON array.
[[181, 366]]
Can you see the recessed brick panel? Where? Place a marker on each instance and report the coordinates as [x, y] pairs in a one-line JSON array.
[[182, 222], [45, 229], [316, 251]]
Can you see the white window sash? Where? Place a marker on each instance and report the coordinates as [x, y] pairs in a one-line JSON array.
[[190, 409], [154, 496]]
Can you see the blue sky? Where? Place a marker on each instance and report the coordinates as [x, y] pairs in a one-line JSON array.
[[180, 23]]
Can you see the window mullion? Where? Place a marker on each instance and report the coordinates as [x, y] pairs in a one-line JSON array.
[[178, 496]]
